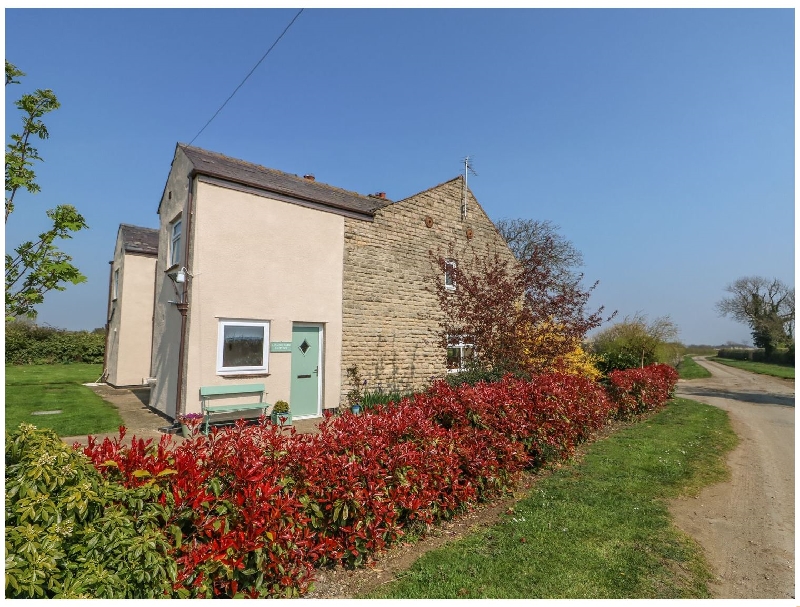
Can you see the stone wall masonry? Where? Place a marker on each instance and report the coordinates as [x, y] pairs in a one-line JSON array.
[[390, 312]]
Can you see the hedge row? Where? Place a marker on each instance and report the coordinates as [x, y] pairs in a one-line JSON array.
[[638, 390], [28, 344], [779, 357], [251, 510]]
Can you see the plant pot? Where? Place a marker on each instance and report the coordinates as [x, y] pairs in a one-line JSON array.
[[281, 419], [355, 409]]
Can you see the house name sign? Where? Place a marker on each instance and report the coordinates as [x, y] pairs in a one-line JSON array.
[[280, 346]]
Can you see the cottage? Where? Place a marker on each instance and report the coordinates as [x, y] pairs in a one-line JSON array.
[[129, 329], [273, 278]]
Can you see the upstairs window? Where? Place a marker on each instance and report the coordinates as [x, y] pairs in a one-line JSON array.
[[449, 274], [175, 244], [115, 289], [242, 347]]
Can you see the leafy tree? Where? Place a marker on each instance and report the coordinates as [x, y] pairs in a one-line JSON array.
[[37, 266], [766, 306], [635, 342], [521, 317]]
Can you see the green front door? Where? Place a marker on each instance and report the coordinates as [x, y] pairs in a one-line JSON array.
[[306, 371]]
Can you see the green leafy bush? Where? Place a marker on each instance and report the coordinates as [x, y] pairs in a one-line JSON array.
[[379, 396], [70, 533], [28, 344], [617, 361], [475, 375]]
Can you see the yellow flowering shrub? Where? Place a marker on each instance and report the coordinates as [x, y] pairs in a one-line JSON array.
[[538, 345]]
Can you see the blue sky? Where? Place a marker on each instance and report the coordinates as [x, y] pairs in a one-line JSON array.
[[660, 141]]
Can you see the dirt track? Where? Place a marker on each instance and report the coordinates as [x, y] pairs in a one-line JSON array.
[[746, 525]]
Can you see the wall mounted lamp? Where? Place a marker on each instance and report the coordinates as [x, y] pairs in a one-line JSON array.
[[179, 276]]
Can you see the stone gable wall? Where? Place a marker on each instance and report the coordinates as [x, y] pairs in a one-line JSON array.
[[390, 312]]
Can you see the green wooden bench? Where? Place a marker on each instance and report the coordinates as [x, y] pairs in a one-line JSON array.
[[208, 394]]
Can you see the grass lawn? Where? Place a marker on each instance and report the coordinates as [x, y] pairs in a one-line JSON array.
[[754, 367], [689, 369], [598, 528], [32, 388]]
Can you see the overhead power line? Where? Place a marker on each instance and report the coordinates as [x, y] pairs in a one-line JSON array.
[[269, 50]]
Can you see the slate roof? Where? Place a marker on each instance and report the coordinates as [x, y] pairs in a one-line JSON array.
[[271, 180], [136, 239]]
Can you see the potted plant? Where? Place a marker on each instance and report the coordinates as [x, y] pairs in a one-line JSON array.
[[355, 394], [188, 422], [281, 415]]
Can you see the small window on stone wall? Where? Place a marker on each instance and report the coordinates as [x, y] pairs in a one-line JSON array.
[[449, 274]]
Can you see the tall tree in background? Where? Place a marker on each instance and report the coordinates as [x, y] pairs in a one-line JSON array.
[[766, 306], [37, 266], [531, 237]]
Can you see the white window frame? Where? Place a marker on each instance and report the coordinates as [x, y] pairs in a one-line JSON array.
[[449, 279], [115, 293], [175, 242], [247, 370], [459, 342]]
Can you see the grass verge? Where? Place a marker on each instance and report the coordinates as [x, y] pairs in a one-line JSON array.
[[31, 388], [755, 367], [689, 369], [598, 528]]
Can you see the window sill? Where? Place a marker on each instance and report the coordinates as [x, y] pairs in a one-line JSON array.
[[243, 375]]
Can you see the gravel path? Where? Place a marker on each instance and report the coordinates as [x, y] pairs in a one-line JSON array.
[[746, 525]]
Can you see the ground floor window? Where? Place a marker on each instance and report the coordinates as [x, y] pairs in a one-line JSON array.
[[242, 346], [460, 351]]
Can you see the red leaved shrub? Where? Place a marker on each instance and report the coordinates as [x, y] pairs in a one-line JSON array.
[[549, 415], [635, 391], [253, 509]]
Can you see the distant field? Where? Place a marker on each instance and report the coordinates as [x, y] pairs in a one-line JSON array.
[[701, 350], [35, 388], [754, 367]]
